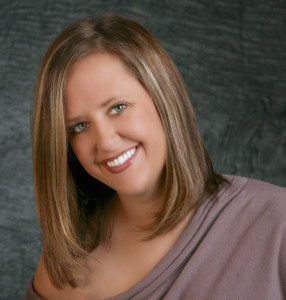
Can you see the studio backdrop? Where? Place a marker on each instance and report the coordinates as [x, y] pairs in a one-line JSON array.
[[232, 56]]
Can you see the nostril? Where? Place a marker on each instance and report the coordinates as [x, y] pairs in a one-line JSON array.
[[106, 140]]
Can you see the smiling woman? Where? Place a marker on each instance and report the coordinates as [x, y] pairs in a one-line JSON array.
[[128, 202], [120, 120]]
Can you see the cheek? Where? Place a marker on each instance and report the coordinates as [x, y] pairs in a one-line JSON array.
[[79, 148], [155, 128], [134, 127], [146, 120], [150, 132]]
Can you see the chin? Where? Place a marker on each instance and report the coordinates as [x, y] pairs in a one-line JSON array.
[[138, 191]]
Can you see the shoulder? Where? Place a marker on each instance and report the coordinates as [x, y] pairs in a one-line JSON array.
[[43, 287], [257, 210], [254, 201], [260, 192], [42, 284]]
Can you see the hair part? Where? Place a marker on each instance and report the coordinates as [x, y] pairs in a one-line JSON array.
[[73, 208]]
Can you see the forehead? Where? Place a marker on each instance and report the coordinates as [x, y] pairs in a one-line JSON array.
[[96, 73], [97, 78], [96, 65]]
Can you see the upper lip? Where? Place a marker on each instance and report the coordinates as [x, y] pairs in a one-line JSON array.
[[114, 157]]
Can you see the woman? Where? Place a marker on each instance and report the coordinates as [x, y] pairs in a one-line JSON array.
[[128, 202]]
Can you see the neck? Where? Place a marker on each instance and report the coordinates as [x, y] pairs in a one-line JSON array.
[[137, 212]]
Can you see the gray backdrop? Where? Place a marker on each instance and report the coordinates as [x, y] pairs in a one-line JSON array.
[[231, 54]]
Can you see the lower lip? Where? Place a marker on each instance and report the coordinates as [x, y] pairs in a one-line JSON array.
[[124, 166]]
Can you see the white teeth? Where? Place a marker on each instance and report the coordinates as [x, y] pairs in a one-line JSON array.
[[121, 159]]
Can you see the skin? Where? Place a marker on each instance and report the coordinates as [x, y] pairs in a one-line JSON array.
[[108, 112], [113, 113]]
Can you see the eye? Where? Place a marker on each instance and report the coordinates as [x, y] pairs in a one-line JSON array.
[[118, 108], [77, 128]]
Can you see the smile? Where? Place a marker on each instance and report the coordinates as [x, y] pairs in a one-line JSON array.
[[123, 161], [120, 160]]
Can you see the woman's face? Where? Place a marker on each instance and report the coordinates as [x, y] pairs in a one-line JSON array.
[[113, 126]]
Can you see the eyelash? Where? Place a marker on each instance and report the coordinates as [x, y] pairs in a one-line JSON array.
[[124, 105], [73, 129]]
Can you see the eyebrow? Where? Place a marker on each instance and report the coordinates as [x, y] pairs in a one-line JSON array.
[[104, 104]]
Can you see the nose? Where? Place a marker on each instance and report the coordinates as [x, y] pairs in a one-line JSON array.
[[105, 137]]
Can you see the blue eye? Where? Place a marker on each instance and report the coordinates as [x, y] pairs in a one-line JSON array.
[[78, 128], [118, 108]]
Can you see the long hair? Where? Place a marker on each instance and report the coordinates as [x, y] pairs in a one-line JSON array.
[[74, 208]]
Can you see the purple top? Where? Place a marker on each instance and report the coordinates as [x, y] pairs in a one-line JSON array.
[[233, 248]]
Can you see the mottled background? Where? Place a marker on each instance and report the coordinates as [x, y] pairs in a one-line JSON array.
[[231, 54]]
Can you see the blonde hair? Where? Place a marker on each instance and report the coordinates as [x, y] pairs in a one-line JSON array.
[[74, 214]]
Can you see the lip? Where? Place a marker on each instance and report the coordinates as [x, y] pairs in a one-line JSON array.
[[127, 164]]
